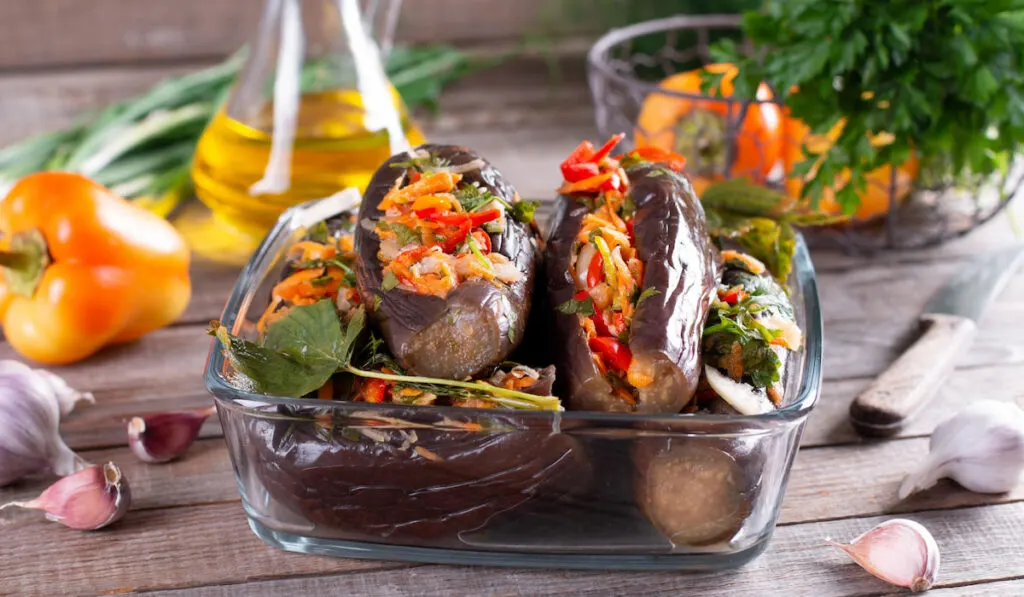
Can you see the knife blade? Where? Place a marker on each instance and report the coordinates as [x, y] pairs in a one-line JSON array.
[[948, 325]]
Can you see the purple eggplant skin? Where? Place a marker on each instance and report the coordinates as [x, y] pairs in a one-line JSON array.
[[680, 263], [424, 488], [479, 323]]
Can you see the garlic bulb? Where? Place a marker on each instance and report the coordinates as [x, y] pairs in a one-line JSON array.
[[32, 402], [899, 551], [981, 448], [87, 500]]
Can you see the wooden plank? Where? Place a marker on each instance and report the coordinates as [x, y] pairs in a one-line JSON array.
[[150, 549], [829, 422], [978, 545], [203, 476], [46, 33]]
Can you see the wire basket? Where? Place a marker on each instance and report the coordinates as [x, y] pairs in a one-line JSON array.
[[625, 69]]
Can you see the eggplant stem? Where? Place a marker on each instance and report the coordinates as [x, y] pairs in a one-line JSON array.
[[500, 395]]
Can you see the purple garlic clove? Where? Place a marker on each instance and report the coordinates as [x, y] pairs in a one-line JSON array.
[[87, 500], [162, 437]]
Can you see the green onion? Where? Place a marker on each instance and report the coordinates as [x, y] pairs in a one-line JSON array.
[[479, 255]]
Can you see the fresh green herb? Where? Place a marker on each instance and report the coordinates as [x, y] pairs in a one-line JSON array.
[[575, 307], [319, 233], [760, 220], [321, 280], [942, 77], [523, 211], [298, 354], [594, 234], [727, 327], [511, 334], [404, 234], [389, 281], [303, 349], [376, 302], [646, 293], [472, 197], [628, 208]]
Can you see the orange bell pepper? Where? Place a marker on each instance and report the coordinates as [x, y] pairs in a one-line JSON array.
[[695, 127], [84, 268]]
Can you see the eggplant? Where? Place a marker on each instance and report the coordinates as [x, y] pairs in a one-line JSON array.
[[478, 323], [680, 264], [424, 485], [761, 387]]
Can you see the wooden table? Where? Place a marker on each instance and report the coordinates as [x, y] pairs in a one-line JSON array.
[[187, 534]]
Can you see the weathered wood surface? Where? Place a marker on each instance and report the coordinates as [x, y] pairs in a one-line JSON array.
[[62, 33], [187, 534]]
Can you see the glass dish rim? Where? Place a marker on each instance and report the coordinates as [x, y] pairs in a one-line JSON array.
[[311, 212]]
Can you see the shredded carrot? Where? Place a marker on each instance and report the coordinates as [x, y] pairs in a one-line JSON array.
[[311, 251], [430, 184], [622, 393]]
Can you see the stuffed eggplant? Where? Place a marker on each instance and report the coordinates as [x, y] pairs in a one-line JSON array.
[[751, 332], [447, 261], [412, 476], [632, 271]]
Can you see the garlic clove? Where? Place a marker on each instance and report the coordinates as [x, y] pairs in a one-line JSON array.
[[87, 500], [981, 448], [901, 552], [161, 437], [32, 402]]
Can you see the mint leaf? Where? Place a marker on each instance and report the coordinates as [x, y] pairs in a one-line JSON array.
[[299, 351], [310, 333]]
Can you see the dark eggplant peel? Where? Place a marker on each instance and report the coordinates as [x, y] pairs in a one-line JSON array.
[[632, 271], [750, 333], [447, 261]]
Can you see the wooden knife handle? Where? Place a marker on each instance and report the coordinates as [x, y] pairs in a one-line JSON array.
[[910, 382]]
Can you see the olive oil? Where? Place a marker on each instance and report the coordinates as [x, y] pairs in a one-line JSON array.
[[332, 150]]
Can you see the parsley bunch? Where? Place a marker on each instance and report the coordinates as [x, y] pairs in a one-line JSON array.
[[944, 77]]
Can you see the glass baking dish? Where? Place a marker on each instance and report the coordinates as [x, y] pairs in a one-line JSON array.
[[516, 488]]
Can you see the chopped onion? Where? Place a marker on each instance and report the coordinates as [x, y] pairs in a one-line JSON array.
[[583, 259]]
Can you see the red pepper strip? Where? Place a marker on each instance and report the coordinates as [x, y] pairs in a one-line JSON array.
[[600, 325], [415, 176], [629, 231], [615, 182], [483, 240], [447, 217], [479, 218], [375, 390], [425, 214], [452, 242], [581, 154], [734, 295], [656, 154], [595, 271], [615, 353], [578, 172], [607, 148], [581, 296]]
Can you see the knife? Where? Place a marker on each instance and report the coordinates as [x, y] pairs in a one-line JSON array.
[[949, 324]]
